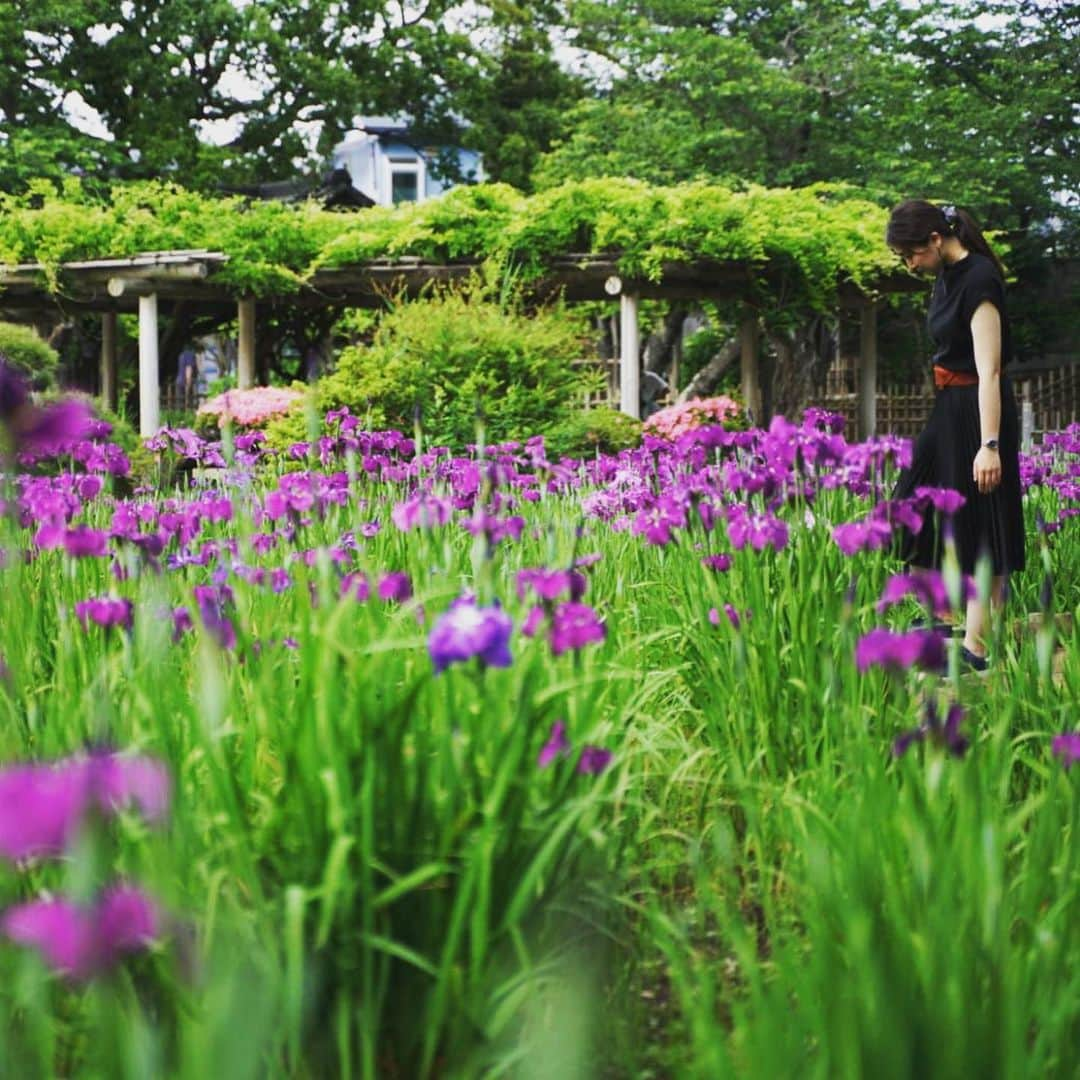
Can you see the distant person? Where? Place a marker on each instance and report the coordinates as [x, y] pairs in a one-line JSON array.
[[209, 370], [971, 443], [312, 363], [186, 377]]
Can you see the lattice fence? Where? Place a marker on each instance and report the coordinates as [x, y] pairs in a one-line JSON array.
[[1053, 396]]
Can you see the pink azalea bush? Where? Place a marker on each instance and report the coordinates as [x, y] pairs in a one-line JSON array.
[[675, 420], [250, 408]]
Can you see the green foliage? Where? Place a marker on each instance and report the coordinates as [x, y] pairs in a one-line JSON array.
[[584, 434], [462, 360], [26, 351], [802, 241]]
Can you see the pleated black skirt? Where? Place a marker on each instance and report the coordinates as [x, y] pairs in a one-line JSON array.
[[943, 457]]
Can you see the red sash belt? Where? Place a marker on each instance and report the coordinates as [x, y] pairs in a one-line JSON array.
[[943, 377]]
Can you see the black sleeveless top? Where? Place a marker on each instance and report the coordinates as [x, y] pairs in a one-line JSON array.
[[958, 290]]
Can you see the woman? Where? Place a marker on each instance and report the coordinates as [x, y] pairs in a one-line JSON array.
[[971, 442]]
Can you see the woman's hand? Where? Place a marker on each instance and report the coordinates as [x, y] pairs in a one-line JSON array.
[[987, 470]]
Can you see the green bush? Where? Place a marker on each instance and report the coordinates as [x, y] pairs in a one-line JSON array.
[[26, 351], [592, 431], [457, 357]]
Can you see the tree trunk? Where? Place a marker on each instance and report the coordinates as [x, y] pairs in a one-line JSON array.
[[801, 360], [710, 374]]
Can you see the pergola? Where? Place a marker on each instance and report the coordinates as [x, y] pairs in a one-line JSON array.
[[152, 283]]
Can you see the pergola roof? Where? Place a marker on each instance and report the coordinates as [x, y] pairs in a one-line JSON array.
[[192, 276]]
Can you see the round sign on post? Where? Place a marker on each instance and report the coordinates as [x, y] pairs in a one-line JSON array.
[[613, 285]]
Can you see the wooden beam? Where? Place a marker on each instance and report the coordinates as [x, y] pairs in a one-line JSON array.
[[748, 365], [245, 346], [149, 375], [629, 355], [108, 359], [867, 384]]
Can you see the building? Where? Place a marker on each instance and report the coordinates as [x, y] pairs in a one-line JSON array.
[[388, 166]]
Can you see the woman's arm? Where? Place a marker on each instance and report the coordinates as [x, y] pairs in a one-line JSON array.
[[986, 338]]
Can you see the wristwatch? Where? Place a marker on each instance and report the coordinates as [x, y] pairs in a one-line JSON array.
[[991, 444]]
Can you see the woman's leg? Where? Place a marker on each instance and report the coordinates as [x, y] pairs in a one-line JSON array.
[[977, 628]]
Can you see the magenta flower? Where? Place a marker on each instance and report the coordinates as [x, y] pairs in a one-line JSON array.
[[900, 651], [946, 735], [355, 584], [466, 630], [533, 620], [549, 585], [42, 806], [870, 535], [214, 602], [106, 611], [54, 428], [1067, 748], [395, 586], [573, 626], [181, 620], [80, 942], [719, 563], [558, 745], [84, 542], [594, 760], [927, 586], [421, 511], [946, 500]]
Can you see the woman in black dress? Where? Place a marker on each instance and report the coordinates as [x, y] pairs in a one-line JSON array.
[[971, 442]]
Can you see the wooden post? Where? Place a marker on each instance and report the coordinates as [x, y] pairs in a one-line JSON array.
[[629, 356], [749, 370], [867, 400], [149, 376], [108, 360], [245, 346]]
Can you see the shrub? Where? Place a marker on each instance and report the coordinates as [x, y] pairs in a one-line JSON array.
[[673, 421], [252, 408], [598, 430], [32, 356], [456, 357]]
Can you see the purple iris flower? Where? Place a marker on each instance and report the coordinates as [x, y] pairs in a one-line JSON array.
[[214, 602], [900, 651], [1067, 747], [355, 584], [106, 611], [53, 429], [395, 586], [946, 735], [533, 620], [42, 806], [84, 542], [573, 626], [181, 620], [549, 585], [14, 391], [466, 630], [80, 942], [593, 760], [558, 745], [870, 535], [421, 511], [719, 563], [927, 586], [945, 500]]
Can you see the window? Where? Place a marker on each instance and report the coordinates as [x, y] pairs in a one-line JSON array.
[[404, 185], [405, 179]]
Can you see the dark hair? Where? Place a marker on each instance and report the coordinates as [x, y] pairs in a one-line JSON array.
[[912, 222]]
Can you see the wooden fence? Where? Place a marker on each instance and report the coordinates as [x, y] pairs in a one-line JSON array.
[[1049, 400]]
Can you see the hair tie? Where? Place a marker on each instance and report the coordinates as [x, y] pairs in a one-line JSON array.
[[950, 214]]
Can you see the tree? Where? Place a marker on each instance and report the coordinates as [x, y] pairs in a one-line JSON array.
[[207, 90]]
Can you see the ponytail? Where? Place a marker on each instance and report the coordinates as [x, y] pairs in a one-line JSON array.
[[912, 222]]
